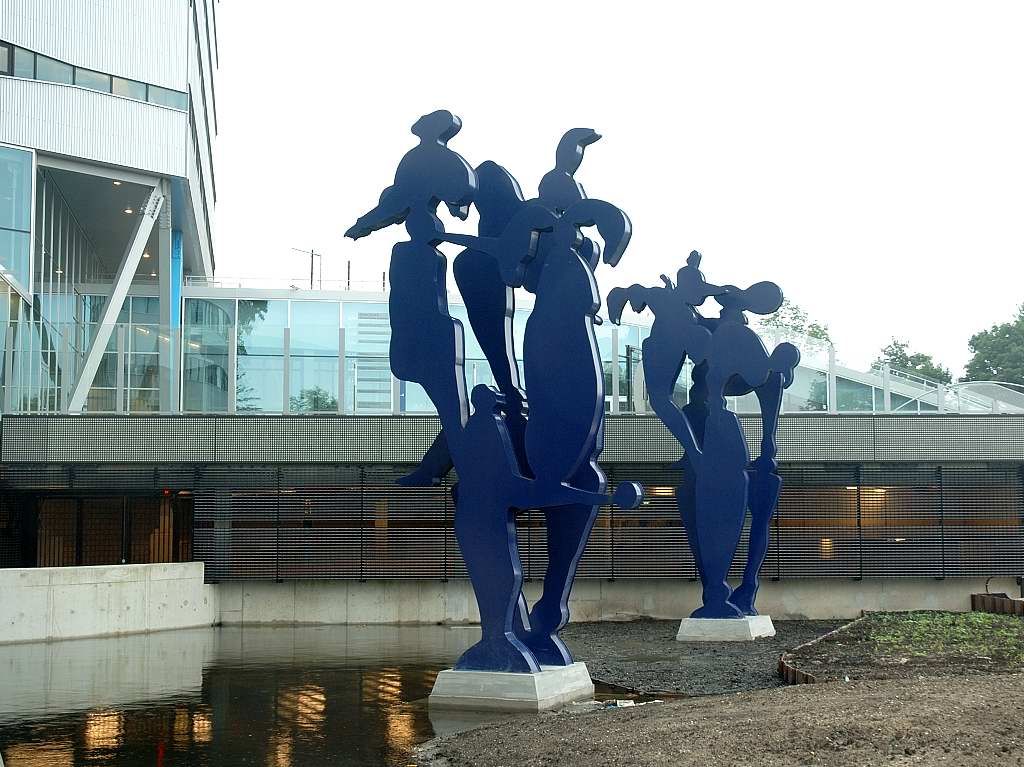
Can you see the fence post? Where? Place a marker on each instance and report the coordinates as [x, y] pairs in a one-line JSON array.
[[445, 529], [942, 525], [362, 531], [611, 533], [860, 528], [277, 528], [778, 542]]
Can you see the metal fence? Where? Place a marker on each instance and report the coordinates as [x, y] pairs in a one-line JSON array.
[[314, 497], [843, 521]]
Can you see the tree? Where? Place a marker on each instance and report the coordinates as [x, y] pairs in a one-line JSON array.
[[314, 400], [898, 356], [791, 317], [998, 353]]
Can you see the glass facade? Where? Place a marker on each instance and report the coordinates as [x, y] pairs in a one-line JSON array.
[[16, 174], [314, 344], [260, 351], [209, 337]]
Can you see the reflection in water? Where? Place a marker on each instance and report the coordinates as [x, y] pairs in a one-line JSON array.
[[280, 697], [103, 730]]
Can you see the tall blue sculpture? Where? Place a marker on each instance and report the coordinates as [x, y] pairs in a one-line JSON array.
[[519, 447], [719, 483]]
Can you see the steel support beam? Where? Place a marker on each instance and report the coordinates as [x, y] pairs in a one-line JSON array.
[[118, 292], [165, 335]]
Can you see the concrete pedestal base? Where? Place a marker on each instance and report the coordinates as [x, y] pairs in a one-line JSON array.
[[725, 629], [552, 687]]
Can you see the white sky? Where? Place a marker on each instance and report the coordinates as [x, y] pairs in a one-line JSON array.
[[866, 156]]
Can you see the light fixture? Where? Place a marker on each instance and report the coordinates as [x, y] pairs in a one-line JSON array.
[[58, 271], [117, 183], [145, 255], [152, 274], [129, 211]]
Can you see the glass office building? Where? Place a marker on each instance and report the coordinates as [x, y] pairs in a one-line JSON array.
[[266, 351]]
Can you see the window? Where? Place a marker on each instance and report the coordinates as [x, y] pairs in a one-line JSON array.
[[313, 352], [24, 63], [168, 98], [92, 80], [260, 362], [853, 396], [208, 333], [53, 71], [128, 88], [16, 215]]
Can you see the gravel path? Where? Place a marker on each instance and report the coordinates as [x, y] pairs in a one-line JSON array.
[[645, 656], [961, 722]]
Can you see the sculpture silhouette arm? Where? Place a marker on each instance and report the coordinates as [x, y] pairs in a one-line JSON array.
[[391, 209], [612, 224], [517, 244], [638, 297]]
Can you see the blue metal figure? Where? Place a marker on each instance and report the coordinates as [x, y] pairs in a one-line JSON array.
[[729, 360], [505, 461]]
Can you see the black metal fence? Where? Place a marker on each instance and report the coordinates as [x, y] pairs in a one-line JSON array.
[[842, 521], [314, 497]]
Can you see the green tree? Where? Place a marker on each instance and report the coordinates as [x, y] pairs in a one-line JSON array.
[[793, 318], [998, 353], [314, 400], [897, 355]]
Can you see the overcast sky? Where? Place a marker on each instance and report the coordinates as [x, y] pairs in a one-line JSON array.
[[867, 156]]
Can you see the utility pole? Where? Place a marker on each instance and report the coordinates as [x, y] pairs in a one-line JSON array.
[[313, 254]]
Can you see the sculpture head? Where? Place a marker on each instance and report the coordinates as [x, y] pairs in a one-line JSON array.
[[691, 285], [440, 126]]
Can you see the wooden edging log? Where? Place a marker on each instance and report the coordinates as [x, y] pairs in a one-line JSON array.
[[790, 674], [999, 604]]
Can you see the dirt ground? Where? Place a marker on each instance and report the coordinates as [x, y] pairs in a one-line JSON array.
[[926, 689], [955, 721], [645, 656], [915, 644]]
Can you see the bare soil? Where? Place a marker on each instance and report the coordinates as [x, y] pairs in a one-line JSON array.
[[645, 657], [925, 689], [960, 721]]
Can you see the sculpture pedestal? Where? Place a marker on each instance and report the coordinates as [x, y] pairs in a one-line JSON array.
[[552, 687], [744, 629]]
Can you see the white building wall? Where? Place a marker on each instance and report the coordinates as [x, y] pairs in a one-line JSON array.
[[200, 84], [138, 39], [99, 127], [169, 43]]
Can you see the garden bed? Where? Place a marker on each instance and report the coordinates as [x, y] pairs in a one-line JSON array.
[[915, 644]]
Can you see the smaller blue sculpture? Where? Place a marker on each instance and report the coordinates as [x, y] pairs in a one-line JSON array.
[[719, 484]]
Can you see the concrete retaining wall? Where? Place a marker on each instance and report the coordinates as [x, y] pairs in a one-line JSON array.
[[49, 603], [71, 602], [452, 602]]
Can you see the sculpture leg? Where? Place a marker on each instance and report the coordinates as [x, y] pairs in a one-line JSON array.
[[487, 538], [765, 486], [686, 498], [721, 508], [568, 528], [686, 494]]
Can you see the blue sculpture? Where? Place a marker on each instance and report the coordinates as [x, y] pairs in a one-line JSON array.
[[517, 449], [718, 485]]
